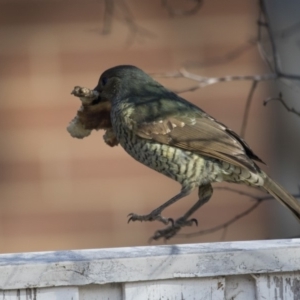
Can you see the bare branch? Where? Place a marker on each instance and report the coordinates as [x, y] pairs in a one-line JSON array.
[[280, 99], [205, 81], [225, 225], [277, 68]]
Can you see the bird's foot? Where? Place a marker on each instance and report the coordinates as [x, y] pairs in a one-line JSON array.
[[151, 217], [172, 230]]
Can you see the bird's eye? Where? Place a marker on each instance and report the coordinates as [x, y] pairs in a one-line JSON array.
[[104, 80]]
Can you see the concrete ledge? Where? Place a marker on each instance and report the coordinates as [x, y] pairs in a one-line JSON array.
[[124, 265]]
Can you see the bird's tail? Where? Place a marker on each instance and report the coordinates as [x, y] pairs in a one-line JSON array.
[[282, 195]]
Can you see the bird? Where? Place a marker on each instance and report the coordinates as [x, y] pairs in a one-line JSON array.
[[176, 138]]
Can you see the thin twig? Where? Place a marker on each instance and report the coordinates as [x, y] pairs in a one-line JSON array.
[[263, 54], [280, 99], [269, 59], [247, 108]]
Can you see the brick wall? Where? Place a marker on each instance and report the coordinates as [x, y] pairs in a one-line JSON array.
[[61, 193]]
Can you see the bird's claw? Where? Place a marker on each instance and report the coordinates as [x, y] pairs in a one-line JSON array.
[[171, 220], [166, 233], [172, 230], [191, 222], [181, 222], [151, 217]]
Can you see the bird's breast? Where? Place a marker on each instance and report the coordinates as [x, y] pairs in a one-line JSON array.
[[185, 167]]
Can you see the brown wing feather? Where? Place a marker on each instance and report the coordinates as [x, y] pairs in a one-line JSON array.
[[200, 134]]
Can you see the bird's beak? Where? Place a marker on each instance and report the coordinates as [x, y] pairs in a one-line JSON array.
[[98, 88]]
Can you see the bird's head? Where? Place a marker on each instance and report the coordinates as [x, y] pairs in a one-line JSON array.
[[119, 82]]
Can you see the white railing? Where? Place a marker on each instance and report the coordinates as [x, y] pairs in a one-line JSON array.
[[230, 270]]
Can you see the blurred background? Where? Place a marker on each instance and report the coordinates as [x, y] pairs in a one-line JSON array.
[[57, 192]]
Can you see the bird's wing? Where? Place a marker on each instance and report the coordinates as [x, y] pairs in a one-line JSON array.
[[189, 128]]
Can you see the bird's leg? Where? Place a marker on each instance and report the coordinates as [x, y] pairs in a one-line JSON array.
[[156, 213], [204, 194]]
